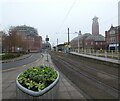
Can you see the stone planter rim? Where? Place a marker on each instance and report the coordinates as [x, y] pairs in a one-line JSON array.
[[37, 93]]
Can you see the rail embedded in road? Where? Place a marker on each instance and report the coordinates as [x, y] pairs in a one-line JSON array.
[[88, 78]]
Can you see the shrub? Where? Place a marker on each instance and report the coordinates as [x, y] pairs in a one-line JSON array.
[[10, 56], [37, 78]]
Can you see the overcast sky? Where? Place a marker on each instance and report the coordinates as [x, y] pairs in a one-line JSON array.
[[53, 17]]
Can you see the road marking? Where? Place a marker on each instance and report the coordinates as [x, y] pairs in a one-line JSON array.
[[19, 66], [24, 65], [8, 69]]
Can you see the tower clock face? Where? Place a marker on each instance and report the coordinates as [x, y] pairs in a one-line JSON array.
[[112, 32]]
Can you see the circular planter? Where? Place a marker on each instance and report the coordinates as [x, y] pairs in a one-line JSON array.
[[50, 92]]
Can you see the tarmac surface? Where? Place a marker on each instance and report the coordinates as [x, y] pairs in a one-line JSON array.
[[67, 90], [23, 60]]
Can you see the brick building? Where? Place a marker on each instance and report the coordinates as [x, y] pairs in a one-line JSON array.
[[95, 26], [95, 42], [112, 38], [79, 40], [28, 39], [89, 42]]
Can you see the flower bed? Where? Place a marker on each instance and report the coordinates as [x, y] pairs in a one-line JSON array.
[[37, 82]]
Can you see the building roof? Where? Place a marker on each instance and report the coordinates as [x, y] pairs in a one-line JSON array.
[[96, 37], [88, 36], [26, 29], [114, 28], [81, 36]]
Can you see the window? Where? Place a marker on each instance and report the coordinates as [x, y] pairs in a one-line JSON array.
[[112, 40], [91, 43], [112, 32], [96, 43]]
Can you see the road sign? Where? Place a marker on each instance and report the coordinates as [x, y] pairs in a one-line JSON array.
[[47, 39]]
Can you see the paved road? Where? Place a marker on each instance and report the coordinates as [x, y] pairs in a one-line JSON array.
[[22, 62], [67, 90], [9, 77], [99, 79]]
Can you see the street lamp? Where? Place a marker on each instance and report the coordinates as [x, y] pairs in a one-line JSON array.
[[79, 33], [57, 45], [18, 49]]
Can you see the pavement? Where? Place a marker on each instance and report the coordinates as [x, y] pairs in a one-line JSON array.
[[98, 58], [67, 90]]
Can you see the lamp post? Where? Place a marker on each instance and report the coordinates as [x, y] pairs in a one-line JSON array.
[[119, 41], [68, 41], [57, 45], [79, 33], [78, 44]]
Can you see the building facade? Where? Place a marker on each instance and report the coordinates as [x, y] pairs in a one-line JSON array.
[[112, 38], [89, 42], [95, 42], [95, 26], [79, 42], [27, 39]]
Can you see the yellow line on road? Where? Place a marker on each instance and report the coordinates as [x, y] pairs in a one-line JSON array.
[[8, 69], [18, 67]]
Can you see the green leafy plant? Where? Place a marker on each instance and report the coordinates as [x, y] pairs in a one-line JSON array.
[[37, 78], [10, 56]]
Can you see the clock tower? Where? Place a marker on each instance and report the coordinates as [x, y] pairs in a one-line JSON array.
[[95, 26]]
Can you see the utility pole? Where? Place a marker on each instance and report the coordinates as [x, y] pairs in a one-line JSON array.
[[119, 41], [68, 40], [119, 38], [57, 45], [68, 36], [79, 41]]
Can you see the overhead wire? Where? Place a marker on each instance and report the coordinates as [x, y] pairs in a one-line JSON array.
[[67, 14], [115, 16]]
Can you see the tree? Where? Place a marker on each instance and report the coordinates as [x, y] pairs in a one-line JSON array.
[[15, 40]]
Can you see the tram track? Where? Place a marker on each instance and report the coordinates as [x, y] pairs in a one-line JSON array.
[[96, 85], [94, 73]]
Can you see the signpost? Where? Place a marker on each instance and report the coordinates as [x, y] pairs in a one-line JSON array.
[[47, 39]]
